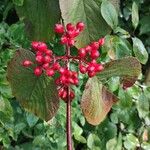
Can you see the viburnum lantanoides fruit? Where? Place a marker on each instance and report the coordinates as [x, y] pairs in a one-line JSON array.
[[48, 63]]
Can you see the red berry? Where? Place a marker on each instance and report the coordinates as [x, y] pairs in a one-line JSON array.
[[48, 52], [88, 49], [45, 66], [82, 52], [38, 71], [67, 73], [80, 26], [50, 72], [57, 81], [27, 63], [71, 34], [72, 95], [71, 42], [99, 67], [60, 92], [34, 45], [41, 46], [62, 70], [76, 33], [63, 79], [82, 69], [93, 62], [70, 27], [91, 68], [47, 59], [76, 81], [95, 46], [59, 28], [64, 95], [39, 53], [91, 74], [56, 66], [39, 58], [74, 74], [71, 80], [94, 54], [64, 40], [101, 41]]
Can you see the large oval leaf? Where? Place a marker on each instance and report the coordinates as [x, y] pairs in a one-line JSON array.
[[36, 94], [40, 17], [110, 14], [88, 12], [96, 101], [140, 50], [127, 68], [135, 15]]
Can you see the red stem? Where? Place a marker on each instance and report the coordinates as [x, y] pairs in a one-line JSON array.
[[68, 122], [68, 111]]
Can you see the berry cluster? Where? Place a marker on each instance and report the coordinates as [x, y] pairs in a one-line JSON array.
[[70, 33], [43, 60], [63, 94], [47, 62], [91, 53]]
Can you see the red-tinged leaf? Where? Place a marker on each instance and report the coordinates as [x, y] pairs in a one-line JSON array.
[[96, 101], [127, 68], [36, 94]]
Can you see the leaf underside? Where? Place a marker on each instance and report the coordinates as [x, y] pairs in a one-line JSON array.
[[96, 101], [36, 94]]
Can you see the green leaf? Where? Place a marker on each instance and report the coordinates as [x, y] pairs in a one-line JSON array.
[[131, 142], [31, 119], [93, 141], [115, 143], [40, 18], [18, 2], [111, 144], [145, 25], [127, 68], [19, 127], [109, 13], [143, 106], [6, 112], [117, 47], [135, 15], [88, 12], [96, 101], [116, 4], [145, 145], [36, 94], [139, 50]]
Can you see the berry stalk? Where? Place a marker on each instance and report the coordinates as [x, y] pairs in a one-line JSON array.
[[68, 111], [68, 121]]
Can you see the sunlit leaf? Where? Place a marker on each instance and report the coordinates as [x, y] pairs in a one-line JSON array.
[[96, 101], [135, 15], [109, 13], [139, 50]]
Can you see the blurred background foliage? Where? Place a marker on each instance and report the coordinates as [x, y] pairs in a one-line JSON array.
[[127, 125]]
